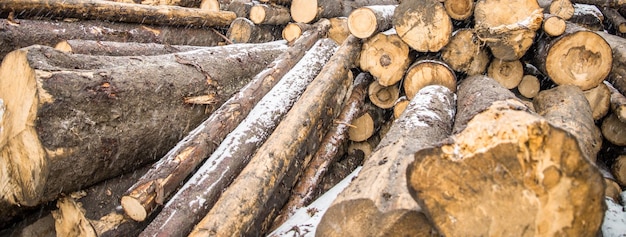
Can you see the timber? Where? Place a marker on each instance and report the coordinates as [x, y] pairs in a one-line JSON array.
[[603, 3], [377, 202], [470, 185], [617, 76], [364, 126], [553, 25], [508, 73], [599, 99], [529, 86], [459, 9], [243, 30], [194, 200], [616, 19], [180, 161], [306, 11], [76, 118], [383, 96], [424, 72], [618, 169], [400, 106], [614, 130], [241, 8], [118, 12], [294, 30], [618, 102], [269, 14], [339, 31], [386, 57], [430, 32], [465, 53], [562, 8], [588, 16], [369, 20], [112, 48]]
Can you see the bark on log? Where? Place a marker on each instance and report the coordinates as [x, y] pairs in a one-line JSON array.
[[179, 162], [426, 72], [194, 200], [603, 3], [243, 30], [386, 57], [118, 12], [269, 14], [614, 130], [617, 77], [384, 97], [508, 73], [377, 202], [367, 21], [459, 9], [567, 107], [112, 48], [615, 18], [241, 8], [328, 153], [251, 202], [364, 126], [599, 99], [79, 113], [294, 30], [306, 11], [400, 106], [588, 16], [509, 34], [465, 53], [471, 185], [423, 25], [578, 57], [553, 25], [618, 102], [49, 33], [618, 169], [338, 29]]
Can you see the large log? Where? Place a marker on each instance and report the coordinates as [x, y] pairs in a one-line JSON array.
[[366, 21], [386, 57], [69, 115], [251, 202], [173, 168], [194, 200], [618, 102], [118, 12], [506, 160], [377, 202], [424, 72], [465, 53], [423, 25], [112, 48]]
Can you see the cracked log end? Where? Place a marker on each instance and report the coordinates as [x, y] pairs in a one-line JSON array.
[[21, 151], [509, 173], [362, 23], [386, 57]]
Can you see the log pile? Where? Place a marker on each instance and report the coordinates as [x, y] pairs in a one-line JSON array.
[[312, 118]]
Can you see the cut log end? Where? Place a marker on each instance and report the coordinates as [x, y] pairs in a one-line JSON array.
[[386, 57], [362, 23], [212, 5], [529, 86], [428, 72], [383, 96], [508, 73], [303, 11], [614, 130], [431, 32], [291, 32], [362, 128], [63, 46], [459, 9], [133, 208], [553, 25], [599, 98]]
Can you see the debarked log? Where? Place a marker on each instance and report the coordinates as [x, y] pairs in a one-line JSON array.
[[386, 57], [73, 120]]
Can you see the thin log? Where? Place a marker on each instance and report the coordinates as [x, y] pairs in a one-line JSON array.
[[178, 163], [278, 2], [588, 16], [118, 12], [465, 53], [618, 102], [112, 48], [386, 57], [599, 99], [615, 18], [617, 77], [553, 25], [426, 72], [400, 106], [508, 73], [603, 3], [328, 153], [506, 160], [369, 20], [364, 126], [269, 14], [339, 31], [614, 130], [306, 11], [430, 33], [243, 30], [529, 86], [69, 115], [377, 202], [294, 30], [251, 202], [459, 9], [384, 97]]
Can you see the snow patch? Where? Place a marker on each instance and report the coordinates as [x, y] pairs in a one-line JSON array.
[[614, 224], [420, 105]]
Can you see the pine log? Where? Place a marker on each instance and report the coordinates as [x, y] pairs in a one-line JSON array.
[[112, 48], [328, 153], [243, 30], [615, 18], [618, 102], [252, 201], [364, 126], [241, 8], [377, 202], [459, 9], [603, 3], [618, 169], [67, 116], [386, 57], [562, 8], [578, 57], [49, 33], [465, 53], [588, 16], [400, 106], [529, 86], [426, 72], [338, 29], [194, 200], [553, 25], [173, 168], [599, 99], [384, 97], [506, 160], [509, 34], [508, 73], [118, 12], [269, 14], [369, 20], [423, 25], [306, 11], [294, 30], [614, 130]]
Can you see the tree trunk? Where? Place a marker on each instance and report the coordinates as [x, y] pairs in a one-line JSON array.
[[459, 9], [529, 86], [465, 53], [251, 202], [241, 8], [384, 97], [553, 25], [167, 174], [618, 102], [377, 202], [194, 200], [339, 31], [614, 130], [366, 21], [506, 160], [243, 30], [118, 12], [615, 19], [294, 30], [430, 32], [68, 116], [508, 73], [49, 33], [277, 2], [509, 34], [599, 99], [269, 14], [329, 151], [386, 57], [426, 72], [578, 57], [617, 77], [112, 48]]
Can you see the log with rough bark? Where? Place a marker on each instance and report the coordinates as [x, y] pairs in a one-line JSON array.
[[306, 11], [618, 169], [383, 96], [339, 29], [459, 9], [509, 34], [553, 25], [269, 14], [618, 102], [617, 77], [173, 168], [69, 115], [31, 32], [588, 16], [603, 3], [294, 30], [112, 48], [426, 72], [508, 73], [599, 99], [506, 160], [328, 153], [386, 57], [118, 12], [252, 201], [241, 8], [529, 86], [377, 202], [578, 57], [194, 200], [369, 20], [465, 53], [615, 18], [423, 25], [614, 130], [243, 30]]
